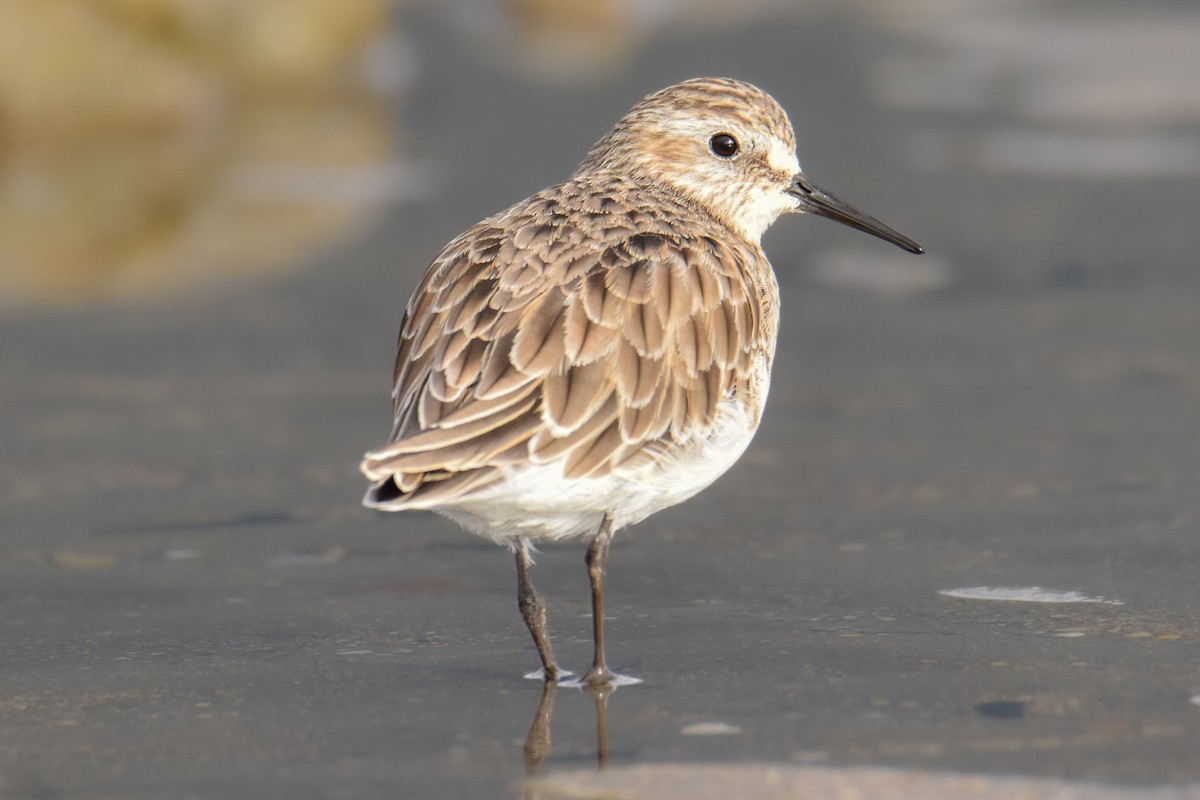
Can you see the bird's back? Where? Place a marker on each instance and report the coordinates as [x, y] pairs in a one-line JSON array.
[[599, 333]]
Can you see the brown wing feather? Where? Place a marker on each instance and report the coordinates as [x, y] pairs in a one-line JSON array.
[[535, 339]]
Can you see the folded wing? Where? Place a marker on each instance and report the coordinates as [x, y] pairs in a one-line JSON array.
[[528, 342]]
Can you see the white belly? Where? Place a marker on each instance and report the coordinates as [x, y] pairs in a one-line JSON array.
[[537, 502]]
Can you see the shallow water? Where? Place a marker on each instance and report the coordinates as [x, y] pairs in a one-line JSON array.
[[193, 604]]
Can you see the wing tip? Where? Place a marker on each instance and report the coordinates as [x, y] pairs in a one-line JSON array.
[[384, 494]]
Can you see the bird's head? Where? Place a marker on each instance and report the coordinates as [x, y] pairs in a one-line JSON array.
[[728, 147]]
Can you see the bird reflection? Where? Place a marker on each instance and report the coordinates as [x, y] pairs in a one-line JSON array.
[[537, 741]]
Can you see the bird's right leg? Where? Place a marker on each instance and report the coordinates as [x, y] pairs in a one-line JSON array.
[[533, 610], [597, 561]]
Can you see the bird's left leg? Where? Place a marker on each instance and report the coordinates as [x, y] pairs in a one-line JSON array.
[[597, 558]]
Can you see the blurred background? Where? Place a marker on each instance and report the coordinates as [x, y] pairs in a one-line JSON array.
[[152, 147], [212, 213]]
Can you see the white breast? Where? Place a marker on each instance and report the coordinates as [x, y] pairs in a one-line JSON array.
[[537, 502]]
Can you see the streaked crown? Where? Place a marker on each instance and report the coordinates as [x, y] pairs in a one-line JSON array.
[[723, 144]]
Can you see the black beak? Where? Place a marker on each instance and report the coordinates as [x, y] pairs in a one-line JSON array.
[[815, 200]]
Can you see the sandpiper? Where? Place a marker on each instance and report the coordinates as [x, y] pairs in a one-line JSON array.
[[602, 350]]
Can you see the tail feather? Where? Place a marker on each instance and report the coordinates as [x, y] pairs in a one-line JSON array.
[[429, 490]]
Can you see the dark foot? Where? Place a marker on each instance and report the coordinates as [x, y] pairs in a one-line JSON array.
[[598, 676], [558, 676], [602, 682]]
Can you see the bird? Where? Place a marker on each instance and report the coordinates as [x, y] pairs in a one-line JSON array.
[[602, 350]]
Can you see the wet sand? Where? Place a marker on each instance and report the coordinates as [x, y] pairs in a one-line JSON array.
[[192, 603]]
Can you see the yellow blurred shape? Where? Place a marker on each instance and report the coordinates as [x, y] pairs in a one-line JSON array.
[[131, 132], [68, 70], [293, 45], [73, 559]]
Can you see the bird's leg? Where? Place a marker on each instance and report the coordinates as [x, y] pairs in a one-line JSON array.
[[533, 610], [597, 557]]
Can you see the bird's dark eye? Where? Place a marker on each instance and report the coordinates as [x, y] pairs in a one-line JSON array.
[[724, 145]]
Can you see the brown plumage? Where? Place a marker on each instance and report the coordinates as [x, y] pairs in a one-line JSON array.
[[602, 350], [571, 336]]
